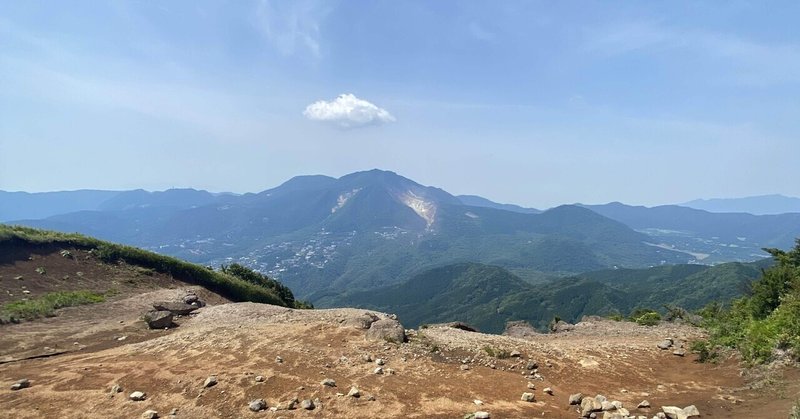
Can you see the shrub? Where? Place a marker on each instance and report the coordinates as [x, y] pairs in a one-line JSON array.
[[496, 353], [705, 351], [649, 319]]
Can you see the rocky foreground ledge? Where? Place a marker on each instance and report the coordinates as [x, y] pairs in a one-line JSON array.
[[255, 360]]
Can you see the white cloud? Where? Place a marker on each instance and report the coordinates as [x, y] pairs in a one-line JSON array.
[[347, 111]]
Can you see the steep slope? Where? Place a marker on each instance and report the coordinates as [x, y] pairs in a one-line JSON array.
[[21, 246]]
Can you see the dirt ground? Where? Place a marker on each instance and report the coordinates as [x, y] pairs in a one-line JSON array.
[[74, 359]]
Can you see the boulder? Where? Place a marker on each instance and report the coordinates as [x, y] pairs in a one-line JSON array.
[[175, 307], [387, 330], [674, 412], [307, 404], [590, 405], [679, 352], [528, 397], [665, 344], [548, 390], [481, 415], [354, 392], [257, 405], [158, 319], [691, 411], [137, 396], [361, 321], [520, 329], [150, 414], [210, 382], [19, 385], [575, 399], [561, 326], [644, 405], [328, 382]]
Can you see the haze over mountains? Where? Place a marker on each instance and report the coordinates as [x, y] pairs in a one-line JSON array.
[[374, 229]]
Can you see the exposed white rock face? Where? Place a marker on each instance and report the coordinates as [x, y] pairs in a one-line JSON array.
[[423, 208], [471, 215], [343, 199]]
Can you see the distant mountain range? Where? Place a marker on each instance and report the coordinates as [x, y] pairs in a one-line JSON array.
[[372, 229], [758, 205]]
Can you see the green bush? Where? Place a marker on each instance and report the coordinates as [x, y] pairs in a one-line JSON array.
[[704, 350], [648, 319], [767, 319]]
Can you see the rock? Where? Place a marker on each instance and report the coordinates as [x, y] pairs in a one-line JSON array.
[[644, 404], [328, 382], [307, 404], [290, 405], [477, 402], [548, 390], [116, 388], [362, 321], [378, 371], [520, 329], [532, 386], [679, 352], [674, 412], [575, 399], [561, 326], [366, 358], [387, 330], [19, 385], [515, 354], [665, 344], [259, 378], [137, 396], [175, 307], [482, 415], [210, 382], [257, 405], [173, 412], [354, 392], [279, 360], [531, 365], [464, 367], [614, 415], [691, 411], [158, 319], [380, 361], [150, 414], [617, 404], [528, 397], [455, 325], [589, 405], [607, 405], [191, 298]]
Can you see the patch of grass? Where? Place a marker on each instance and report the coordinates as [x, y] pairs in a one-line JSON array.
[[497, 352], [47, 304]]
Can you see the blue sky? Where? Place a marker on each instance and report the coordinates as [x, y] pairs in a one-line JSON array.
[[535, 103]]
